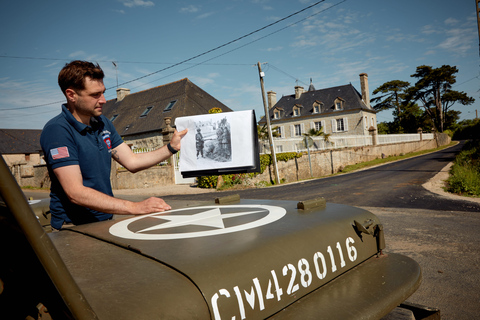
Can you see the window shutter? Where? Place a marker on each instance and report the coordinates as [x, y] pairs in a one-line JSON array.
[[292, 130], [302, 128], [345, 123], [312, 125], [334, 125], [282, 132], [323, 126]]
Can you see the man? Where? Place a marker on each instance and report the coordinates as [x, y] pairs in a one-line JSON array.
[[199, 142], [78, 145]]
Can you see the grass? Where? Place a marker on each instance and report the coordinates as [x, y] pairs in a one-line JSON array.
[[465, 173]]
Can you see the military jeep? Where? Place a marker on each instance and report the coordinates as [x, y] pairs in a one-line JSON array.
[[228, 259]]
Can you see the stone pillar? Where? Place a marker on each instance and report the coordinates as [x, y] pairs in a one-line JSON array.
[[373, 133], [420, 132], [167, 133]]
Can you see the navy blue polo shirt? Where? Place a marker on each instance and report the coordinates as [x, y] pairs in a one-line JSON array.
[[66, 141]]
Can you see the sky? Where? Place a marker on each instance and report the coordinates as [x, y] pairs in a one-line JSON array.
[[217, 44]]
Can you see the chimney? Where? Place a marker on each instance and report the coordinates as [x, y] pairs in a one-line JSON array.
[[364, 87], [272, 99], [298, 91], [122, 93]]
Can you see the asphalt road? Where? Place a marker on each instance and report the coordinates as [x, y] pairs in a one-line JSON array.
[[440, 233], [393, 185]]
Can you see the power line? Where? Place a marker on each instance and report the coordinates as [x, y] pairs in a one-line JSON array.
[[117, 61], [201, 54], [225, 44]]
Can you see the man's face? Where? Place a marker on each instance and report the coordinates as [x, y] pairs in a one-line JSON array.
[[89, 102]]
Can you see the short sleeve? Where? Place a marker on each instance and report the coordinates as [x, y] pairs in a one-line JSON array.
[[59, 146]]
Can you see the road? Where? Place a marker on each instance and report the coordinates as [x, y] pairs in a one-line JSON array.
[[440, 233], [394, 185]]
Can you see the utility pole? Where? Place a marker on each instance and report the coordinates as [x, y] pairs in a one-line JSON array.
[[269, 130], [478, 20]]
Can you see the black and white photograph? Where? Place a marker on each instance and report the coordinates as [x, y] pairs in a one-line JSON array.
[[213, 141], [223, 142]]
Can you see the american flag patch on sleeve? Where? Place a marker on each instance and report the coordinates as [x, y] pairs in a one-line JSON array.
[[59, 153]]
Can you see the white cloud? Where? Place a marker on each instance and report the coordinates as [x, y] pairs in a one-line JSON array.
[[273, 49], [458, 40], [205, 15], [189, 9], [451, 21], [137, 3], [76, 54]]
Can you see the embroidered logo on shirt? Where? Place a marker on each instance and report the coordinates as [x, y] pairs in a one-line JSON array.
[[107, 140], [59, 153]]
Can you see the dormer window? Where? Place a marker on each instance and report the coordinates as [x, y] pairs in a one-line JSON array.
[[339, 104], [296, 110], [317, 106], [170, 106], [144, 114], [276, 114]]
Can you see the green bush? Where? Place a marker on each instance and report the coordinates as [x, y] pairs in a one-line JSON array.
[[207, 181], [465, 172], [234, 179]]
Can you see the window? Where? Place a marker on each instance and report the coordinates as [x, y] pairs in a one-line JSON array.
[[276, 114], [296, 112], [339, 104], [279, 148], [279, 131], [340, 125], [316, 109], [27, 156], [114, 117], [170, 106], [144, 114], [318, 125], [298, 130]]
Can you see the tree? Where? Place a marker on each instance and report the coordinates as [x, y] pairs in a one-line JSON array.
[[393, 94], [433, 89], [263, 133], [308, 140]]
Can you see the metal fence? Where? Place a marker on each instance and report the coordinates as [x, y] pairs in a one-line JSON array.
[[334, 142]]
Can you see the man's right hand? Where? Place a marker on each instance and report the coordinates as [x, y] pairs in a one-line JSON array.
[[150, 205]]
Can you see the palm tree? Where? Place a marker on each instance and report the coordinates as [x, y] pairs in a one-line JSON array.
[[263, 132], [309, 141]]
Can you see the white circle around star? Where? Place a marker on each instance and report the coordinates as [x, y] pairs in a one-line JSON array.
[[209, 216]]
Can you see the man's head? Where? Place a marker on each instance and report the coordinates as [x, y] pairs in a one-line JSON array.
[[73, 75], [82, 84]]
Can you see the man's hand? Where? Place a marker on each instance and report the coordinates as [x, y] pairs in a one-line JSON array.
[[150, 205], [176, 138]]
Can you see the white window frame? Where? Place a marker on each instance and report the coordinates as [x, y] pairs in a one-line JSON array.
[[336, 122]]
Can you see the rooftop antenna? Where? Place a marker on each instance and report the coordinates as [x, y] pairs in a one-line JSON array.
[[116, 71]]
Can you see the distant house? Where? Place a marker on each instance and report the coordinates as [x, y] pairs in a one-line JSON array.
[[22, 152], [20, 146], [140, 117], [338, 110]]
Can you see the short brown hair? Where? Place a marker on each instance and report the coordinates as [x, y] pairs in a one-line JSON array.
[[73, 74]]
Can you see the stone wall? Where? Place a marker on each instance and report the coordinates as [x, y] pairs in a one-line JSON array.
[[332, 161], [157, 175]]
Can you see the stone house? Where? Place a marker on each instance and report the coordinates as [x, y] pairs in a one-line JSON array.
[[340, 110], [23, 154], [140, 117]]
